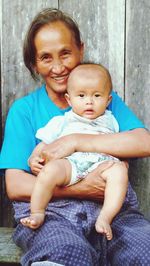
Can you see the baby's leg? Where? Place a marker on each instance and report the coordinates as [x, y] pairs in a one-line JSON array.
[[54, 173], [116, 187]]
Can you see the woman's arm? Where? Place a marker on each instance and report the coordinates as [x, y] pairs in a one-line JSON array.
[[38, 149], [19, 186], [135, 143], [129, 144]]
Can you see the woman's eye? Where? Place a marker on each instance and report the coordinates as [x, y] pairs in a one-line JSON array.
[[65, 54], [46, 58]]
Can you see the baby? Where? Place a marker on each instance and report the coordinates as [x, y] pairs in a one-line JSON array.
[[88, 93]]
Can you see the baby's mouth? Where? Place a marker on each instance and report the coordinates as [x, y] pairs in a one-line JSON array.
[[89, 111]]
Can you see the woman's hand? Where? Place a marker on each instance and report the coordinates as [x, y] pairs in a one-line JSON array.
[[59, 148]]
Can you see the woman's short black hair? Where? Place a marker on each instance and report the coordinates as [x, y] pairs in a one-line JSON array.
[[45, 17]]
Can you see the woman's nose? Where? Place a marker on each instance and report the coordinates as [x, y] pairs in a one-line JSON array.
[[57, 67]]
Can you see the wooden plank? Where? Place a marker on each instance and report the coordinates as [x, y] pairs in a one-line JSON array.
[[102, 26], [9, 252], [7, 211], [137, 87], [138, 58], [1, 209], [16, 80]]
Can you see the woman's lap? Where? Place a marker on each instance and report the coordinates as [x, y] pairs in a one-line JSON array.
[[56, 241], [131, 240], [65, 241]]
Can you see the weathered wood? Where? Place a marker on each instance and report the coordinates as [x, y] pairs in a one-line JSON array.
[[138, 58], [102, 27], [16, 17], [137, 87], [9, 252]]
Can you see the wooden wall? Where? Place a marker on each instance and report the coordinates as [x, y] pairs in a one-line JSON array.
[[116, 33]]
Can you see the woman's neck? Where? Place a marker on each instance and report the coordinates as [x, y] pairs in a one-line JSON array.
[[58, 99]]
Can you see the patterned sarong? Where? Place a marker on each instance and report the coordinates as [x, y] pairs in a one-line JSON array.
[[68, 235]]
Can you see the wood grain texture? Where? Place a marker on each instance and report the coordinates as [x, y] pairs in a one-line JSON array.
[[137, 87], [102, 26], [16, 17], [9, 252]]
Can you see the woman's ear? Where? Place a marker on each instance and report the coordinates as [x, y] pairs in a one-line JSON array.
[[109, 99], [81, 51], [35, 70], [67, 98]]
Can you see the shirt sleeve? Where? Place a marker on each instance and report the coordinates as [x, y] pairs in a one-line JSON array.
[[52, 130], [19, 138], [115, 124], [126, 119]]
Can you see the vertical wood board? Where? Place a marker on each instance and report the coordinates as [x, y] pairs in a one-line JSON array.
[[137, 86], [102, 26], [137, 89]]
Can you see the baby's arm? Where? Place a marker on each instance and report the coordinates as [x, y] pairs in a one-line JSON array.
[[36, 160]]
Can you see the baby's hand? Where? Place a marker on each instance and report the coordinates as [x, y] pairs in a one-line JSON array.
[[36, 164]]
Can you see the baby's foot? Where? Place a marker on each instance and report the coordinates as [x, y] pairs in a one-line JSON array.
[[102, 226], [34, 221]]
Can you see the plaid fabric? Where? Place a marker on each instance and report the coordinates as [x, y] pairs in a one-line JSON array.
[[68, 236]]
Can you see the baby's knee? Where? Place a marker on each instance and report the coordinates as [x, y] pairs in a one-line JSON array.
[[50, 168], [121, 167], [117, 170]]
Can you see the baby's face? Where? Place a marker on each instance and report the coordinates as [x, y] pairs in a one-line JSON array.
[[88, 97]]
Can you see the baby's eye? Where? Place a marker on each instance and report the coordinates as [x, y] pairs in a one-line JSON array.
[[97, 95], [81, 95]]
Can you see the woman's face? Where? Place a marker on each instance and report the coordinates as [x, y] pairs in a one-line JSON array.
[[56, 55]]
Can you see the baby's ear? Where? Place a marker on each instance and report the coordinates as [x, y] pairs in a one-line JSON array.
[[109, 99], [67, 98]]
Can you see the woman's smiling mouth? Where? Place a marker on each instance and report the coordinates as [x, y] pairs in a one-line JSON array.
[[61, 79]]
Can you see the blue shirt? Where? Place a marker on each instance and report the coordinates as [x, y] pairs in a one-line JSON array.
[[33, 111]]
